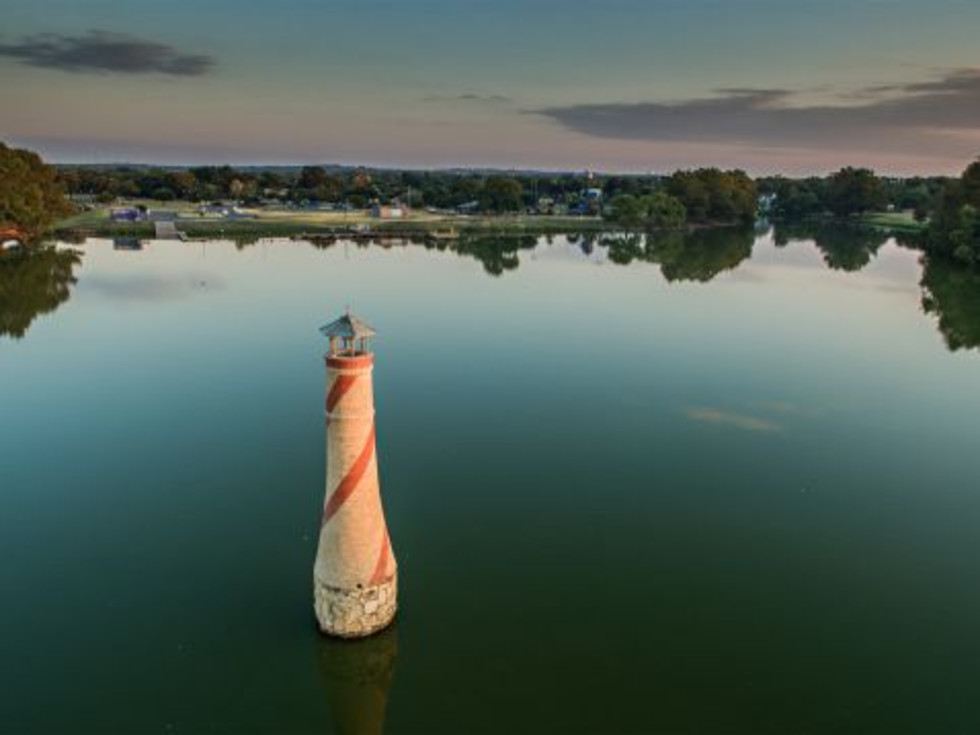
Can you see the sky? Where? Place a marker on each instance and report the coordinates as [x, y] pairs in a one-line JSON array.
[[770, 86]]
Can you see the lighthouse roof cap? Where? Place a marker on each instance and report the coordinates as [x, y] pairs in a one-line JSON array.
[[349, 327]]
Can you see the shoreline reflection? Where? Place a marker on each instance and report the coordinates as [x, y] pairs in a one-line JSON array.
[[34, 281], [37, 281]]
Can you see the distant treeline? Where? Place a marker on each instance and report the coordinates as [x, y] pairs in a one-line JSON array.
[[707, 195], [950, 206], [851, 191], [31, 195], [356, 188]]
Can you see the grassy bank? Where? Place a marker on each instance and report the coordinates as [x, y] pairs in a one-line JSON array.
[[260, 223], [289, 223], [903, 221]]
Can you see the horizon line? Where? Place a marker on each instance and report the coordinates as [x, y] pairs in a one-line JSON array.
[[501, 169]]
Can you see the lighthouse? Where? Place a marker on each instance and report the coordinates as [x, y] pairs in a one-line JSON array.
[[355, 580]]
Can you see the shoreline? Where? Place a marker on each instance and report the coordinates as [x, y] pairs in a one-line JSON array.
[[442, 230], [97, 223]]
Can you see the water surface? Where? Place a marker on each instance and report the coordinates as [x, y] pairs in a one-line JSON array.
[[716, 485]]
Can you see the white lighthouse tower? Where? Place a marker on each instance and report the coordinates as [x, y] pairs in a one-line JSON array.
[[355, 580]]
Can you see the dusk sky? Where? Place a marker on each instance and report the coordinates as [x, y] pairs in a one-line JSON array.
[[793, 86]]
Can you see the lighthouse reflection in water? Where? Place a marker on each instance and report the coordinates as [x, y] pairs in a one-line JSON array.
[[357, 676]]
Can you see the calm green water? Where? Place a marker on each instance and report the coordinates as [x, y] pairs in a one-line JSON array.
[[714, 485]]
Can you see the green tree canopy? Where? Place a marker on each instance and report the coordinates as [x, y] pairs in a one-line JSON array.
[[955, 229], [712, 195], [311, 177], [502, 194], [627, 210], [31, 197], [664, 211], [659, 210], [855, 191]]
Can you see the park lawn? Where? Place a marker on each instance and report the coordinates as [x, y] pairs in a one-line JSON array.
[[333, 219], [285, 222], [894, 221], [85, 220]]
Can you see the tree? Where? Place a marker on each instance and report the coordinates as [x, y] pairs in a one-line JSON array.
[[627, 210], [689, 188], [310, 177], [970, 184], [954, 232], [361, 181], [71, 180], [182, 183], [502, 194], [271, 182], [795, 199], [331, 190], [659, 210], [855, 191], [664, 211], [31, 197], [464, 189], [710, 195]]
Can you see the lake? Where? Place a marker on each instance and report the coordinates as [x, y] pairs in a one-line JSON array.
[[721, 483]]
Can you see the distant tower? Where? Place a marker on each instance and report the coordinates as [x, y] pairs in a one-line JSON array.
[[354, 578]]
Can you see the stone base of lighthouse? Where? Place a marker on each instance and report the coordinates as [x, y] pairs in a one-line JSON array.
[[355, 613]]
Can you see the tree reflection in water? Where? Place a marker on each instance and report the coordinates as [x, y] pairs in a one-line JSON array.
[[847, 247], [951, 293], [624, 247], [700, 255], [36, 281], [498, 254], [33, 281]]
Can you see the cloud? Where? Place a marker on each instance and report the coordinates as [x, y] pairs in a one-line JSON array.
[[736, 420], [153, 288], [788, 408], [935, 116], [104, 51], [468, 97]]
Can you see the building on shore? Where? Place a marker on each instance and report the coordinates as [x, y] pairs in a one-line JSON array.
[[126, 214], [388, 211]]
